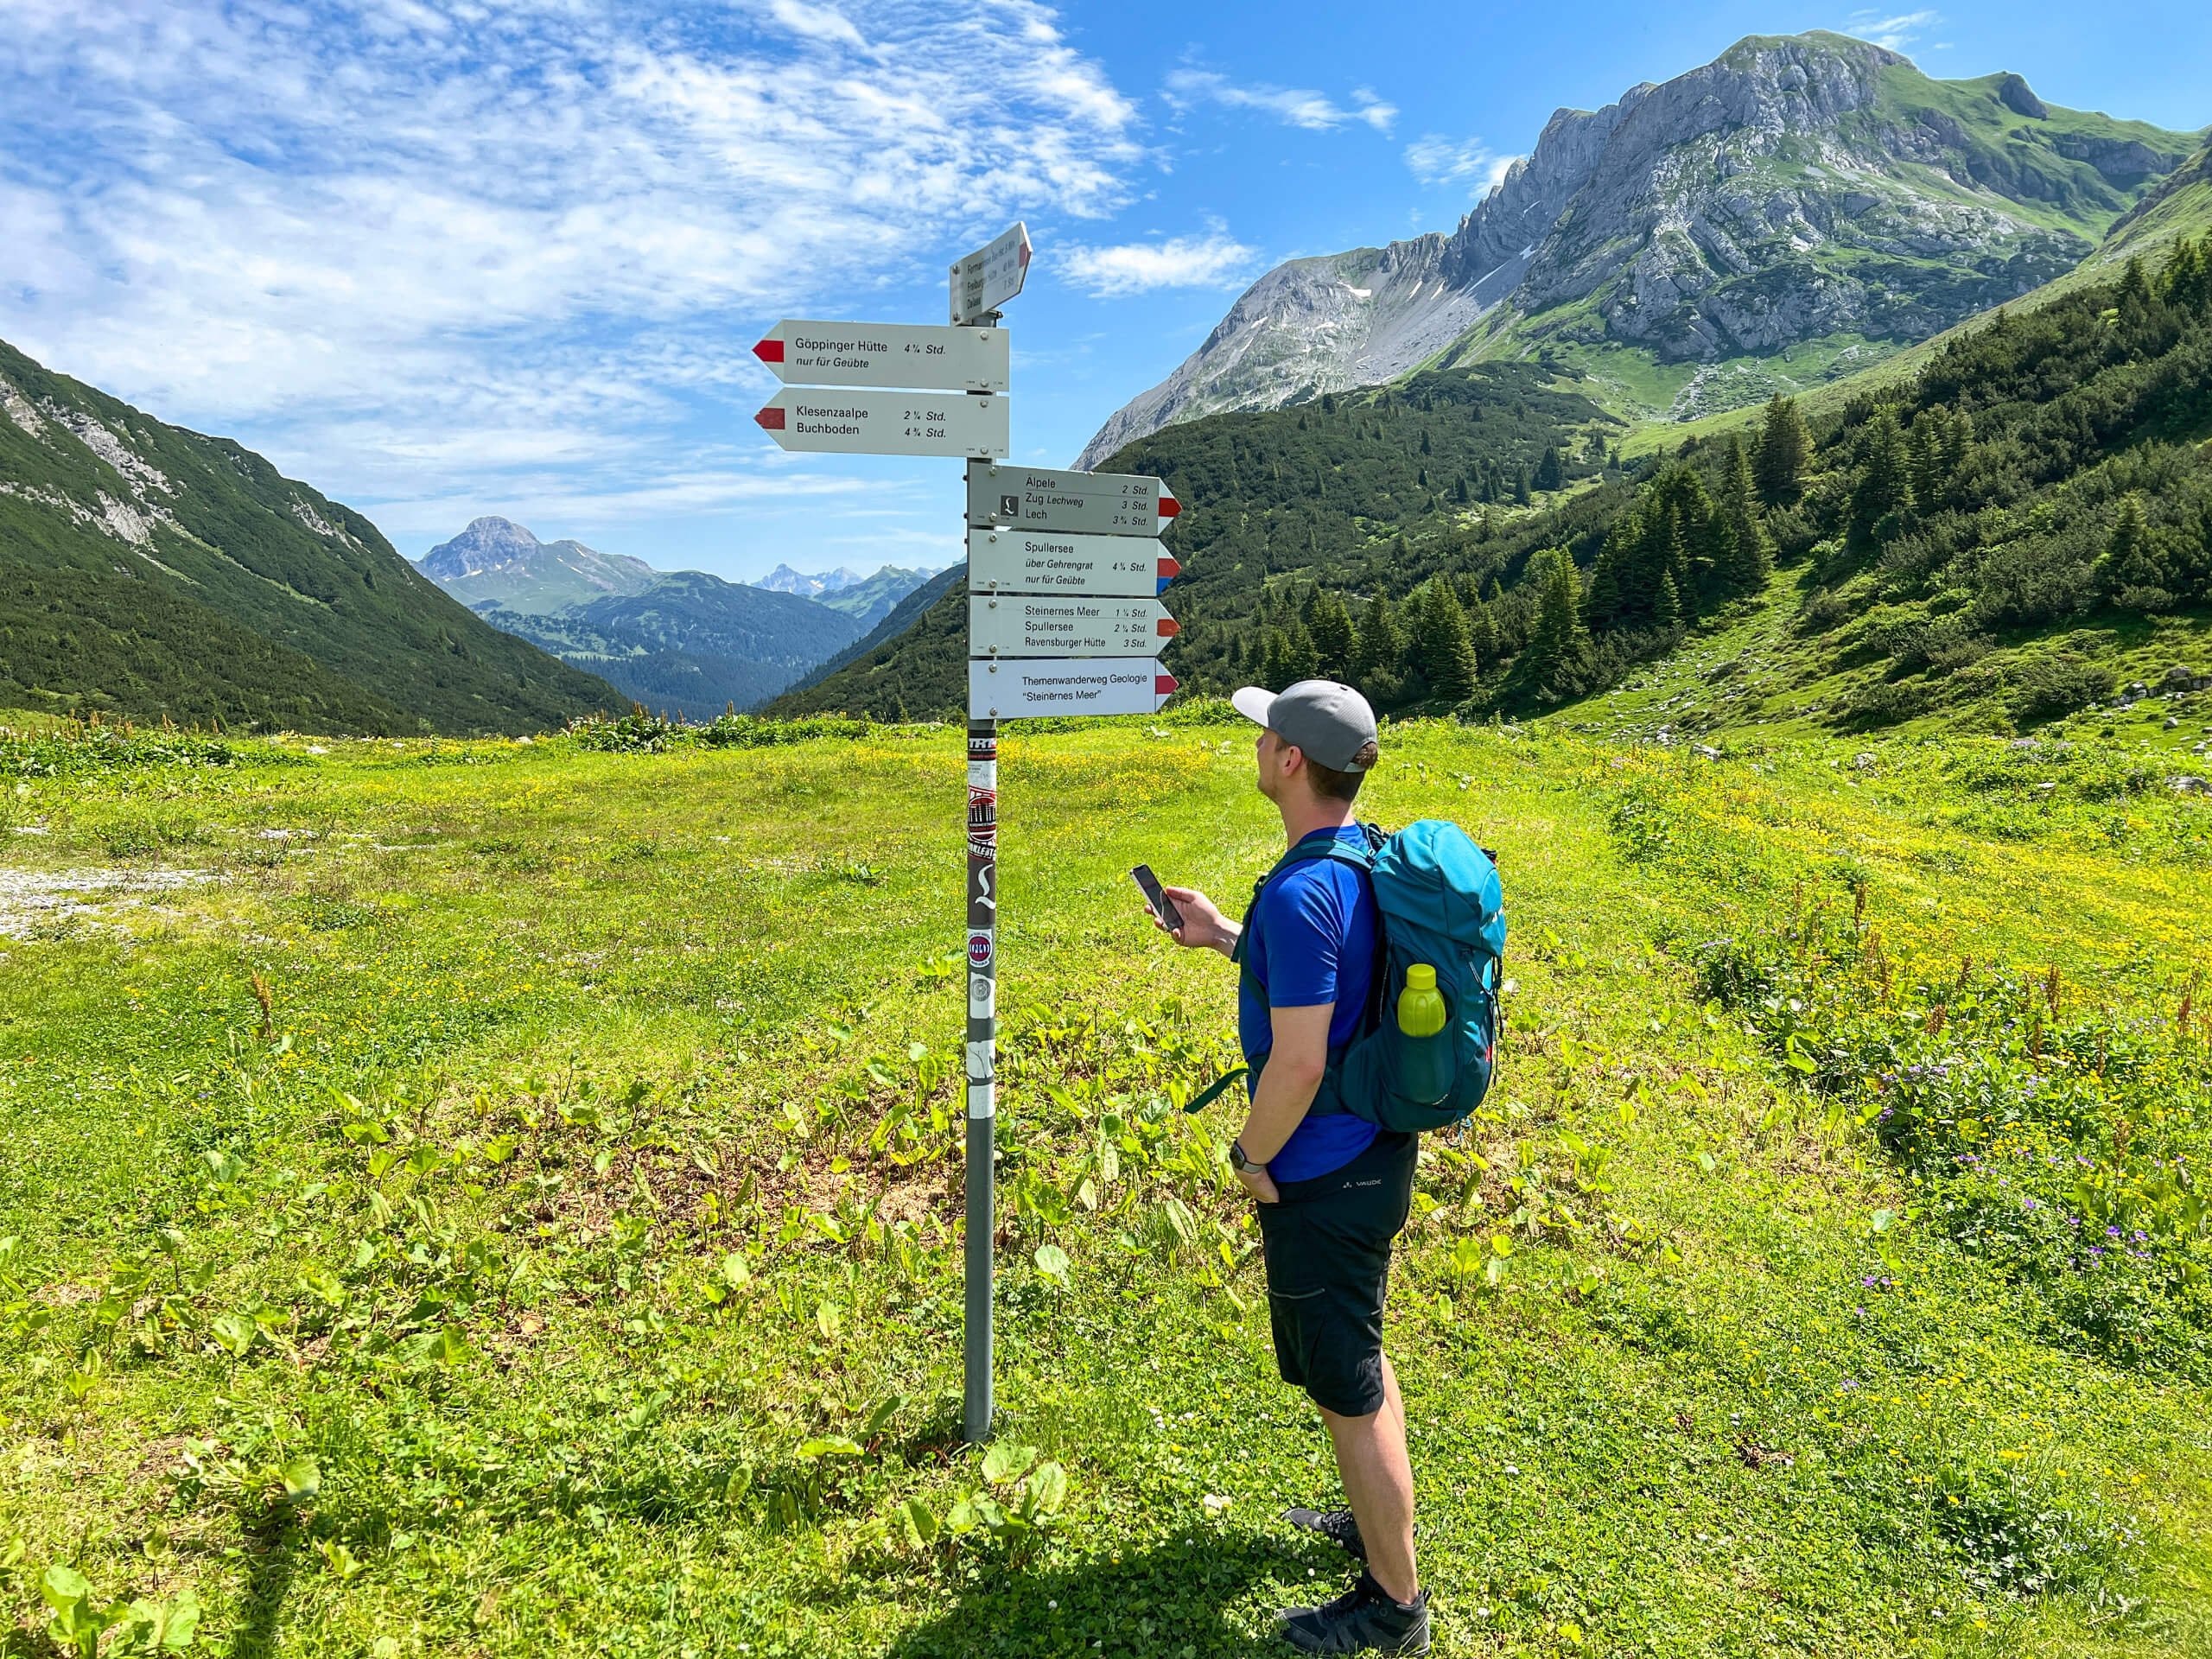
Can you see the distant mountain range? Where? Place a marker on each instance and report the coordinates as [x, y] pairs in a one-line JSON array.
[[683, 641], [784, 579], [1788, 214], [150, 571], [691, 643]]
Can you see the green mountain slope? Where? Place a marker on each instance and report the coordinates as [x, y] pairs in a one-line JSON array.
[[128, 507], [78, 642], [1322, 491], [2020, 533], [691, 642]]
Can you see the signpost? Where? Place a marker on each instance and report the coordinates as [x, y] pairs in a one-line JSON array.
[[1036, 625], [1019, 560], [805, 353], [887, 422], [1063, 618], [1087, 503], [988, 278], [1021, 688]]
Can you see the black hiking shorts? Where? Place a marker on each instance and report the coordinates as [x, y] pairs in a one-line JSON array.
[[1327, 1247]]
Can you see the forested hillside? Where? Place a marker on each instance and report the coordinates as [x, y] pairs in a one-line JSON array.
[[150, 571], [1997, 539], [902, 670], [1353, 493]]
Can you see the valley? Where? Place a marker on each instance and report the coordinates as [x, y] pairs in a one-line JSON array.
[[478, 1179]]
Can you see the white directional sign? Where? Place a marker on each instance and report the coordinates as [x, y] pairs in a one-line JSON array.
[[1044, 624], [888, 422], [988, 278], [1021, 561], [1011, 689], [886, 355], [1092, 503]]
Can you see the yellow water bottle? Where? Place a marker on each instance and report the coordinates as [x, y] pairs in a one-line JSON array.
[[1425, 1065]]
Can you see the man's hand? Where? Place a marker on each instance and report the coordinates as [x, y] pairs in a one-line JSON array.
[[1260, 1185], [1204, 926]]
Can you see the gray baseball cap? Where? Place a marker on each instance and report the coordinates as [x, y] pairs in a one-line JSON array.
[[1327, 722]]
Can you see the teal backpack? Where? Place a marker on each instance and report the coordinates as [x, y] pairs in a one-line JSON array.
[[1439, 900]]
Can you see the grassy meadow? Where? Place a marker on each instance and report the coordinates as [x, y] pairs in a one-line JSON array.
[[501, 1198]]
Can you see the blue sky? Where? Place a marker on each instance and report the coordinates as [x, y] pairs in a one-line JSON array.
[[443, 258]]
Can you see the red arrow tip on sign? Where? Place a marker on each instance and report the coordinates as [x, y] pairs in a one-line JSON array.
[[771, 418], [1162, 684], [769, 351], [1169, 506], [1169, 570], [1169, 627]]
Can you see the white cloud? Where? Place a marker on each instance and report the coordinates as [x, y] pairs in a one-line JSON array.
[[406, 244], [1295, 107], [1212, 261], [1435, 159], [1897, 32]]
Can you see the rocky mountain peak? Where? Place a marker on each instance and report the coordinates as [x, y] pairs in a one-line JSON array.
[[1797, 188], [489, 544], [496, 561]]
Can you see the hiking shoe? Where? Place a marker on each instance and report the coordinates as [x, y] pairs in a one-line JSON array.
[[1361, 1620], [1338, 1526]]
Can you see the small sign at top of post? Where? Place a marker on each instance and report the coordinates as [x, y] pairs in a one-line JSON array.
[[988, 278]]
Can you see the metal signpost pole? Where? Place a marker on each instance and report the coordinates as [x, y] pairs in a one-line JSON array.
[[982, 1069], [972, 304]]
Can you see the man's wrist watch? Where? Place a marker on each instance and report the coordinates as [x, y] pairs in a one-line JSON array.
[[1241, 1163]]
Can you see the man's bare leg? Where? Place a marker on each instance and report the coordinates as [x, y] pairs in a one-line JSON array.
[[1378, 1480]]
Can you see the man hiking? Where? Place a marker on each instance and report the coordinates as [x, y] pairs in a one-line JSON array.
[[1332, 1189]]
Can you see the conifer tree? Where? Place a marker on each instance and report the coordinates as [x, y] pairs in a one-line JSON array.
[[1441, 648], [1551, 471], [1884, 483], [1379, 651], [1275, 664], [1330, 624], [1558, 643], [1751, 551], [1602, 604], [1300, 660], [2133, 570], [1482, 634], [1786, 448], [1666, 607]]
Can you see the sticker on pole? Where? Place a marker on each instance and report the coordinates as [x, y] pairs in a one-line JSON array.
[[980, 949], [1013, 688]]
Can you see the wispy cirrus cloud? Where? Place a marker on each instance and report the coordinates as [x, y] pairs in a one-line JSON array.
[[1895, 31], [1214, 261], [427, 248], [1435, 159], [1293, 105]]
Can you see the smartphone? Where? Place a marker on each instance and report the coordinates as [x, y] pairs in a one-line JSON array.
[[1162, 905]]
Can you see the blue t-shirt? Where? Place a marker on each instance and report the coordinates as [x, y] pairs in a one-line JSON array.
[[1309, 940]]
